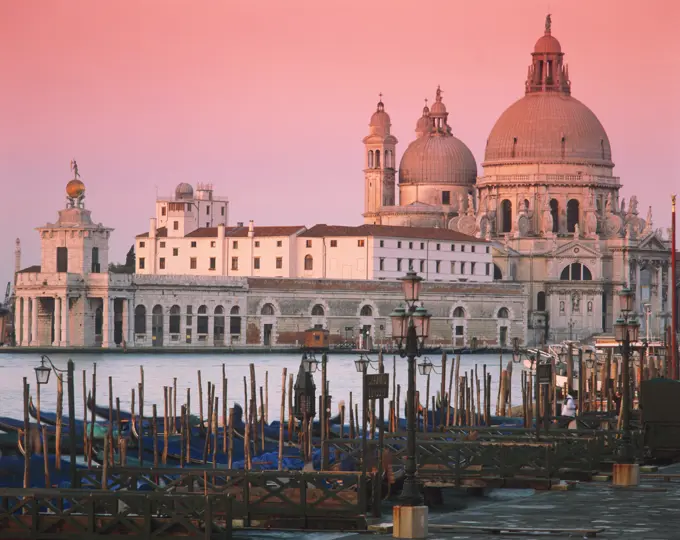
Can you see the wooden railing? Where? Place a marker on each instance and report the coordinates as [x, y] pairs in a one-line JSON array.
[[66, 514], [287, 498]]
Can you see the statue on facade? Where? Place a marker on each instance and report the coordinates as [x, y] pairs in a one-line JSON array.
[[460, 204], [648, 221], [632, 206], [547, 218], [577, 231], [74, 168], [623, 206], [575, 303], [471, 205], [590, 221]]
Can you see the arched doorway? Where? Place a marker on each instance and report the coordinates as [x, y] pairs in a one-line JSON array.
[[218, 326], [157, 326], [140, 322], [235, 323], [572, 215]]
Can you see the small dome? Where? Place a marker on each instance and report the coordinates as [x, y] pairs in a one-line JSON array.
[[424, 125], [438, 158], [548, 127], [75, 188], [184, 191], [547, 44], [380, 121], [438, 108]]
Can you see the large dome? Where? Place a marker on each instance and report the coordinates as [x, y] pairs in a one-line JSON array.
[[548, 127], [438, 159]]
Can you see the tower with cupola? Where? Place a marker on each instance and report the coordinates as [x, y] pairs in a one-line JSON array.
[[379, 165]]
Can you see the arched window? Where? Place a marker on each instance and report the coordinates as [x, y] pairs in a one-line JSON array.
[[366, 311], [140, 319], [555, 213], [576, 272], [388, 158], [318, 311], [235, 320], [235, 311], [459, 313], [503, 313], [572, 215], [174, 319], [377, 159], [540, 301], [370, 159], [506, 216], [497, 273], [202, 320], [309, 262], [267, 309]]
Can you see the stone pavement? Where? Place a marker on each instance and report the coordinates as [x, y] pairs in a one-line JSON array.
[[648, 512]]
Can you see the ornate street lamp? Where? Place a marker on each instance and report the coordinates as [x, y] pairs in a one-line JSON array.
[[425, 368], [410, 328], [42, 376], [305, 390], [309, 363], [626, 333]]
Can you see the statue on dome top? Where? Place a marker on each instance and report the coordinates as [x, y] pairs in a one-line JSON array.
[[439, 93], [74, 168], [548, 23], [632, 205]]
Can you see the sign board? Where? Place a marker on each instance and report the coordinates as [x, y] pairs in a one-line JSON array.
[[378, 386], [544, 373]]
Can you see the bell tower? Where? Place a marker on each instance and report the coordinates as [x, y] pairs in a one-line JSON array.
[[379, 165]]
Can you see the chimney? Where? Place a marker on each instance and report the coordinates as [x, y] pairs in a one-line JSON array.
[[17, 256], [220, 231], [251, 229], [152, 228]]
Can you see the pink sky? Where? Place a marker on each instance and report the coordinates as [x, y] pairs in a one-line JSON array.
[[269, 100]]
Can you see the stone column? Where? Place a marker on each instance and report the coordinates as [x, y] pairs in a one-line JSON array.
[[129, 328], [211, 328], [106, 322], [65, 321], [638, 290], [34, 321], [25, 301], [57, 322]]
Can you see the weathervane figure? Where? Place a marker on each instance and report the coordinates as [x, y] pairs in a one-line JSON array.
[[74, 168]]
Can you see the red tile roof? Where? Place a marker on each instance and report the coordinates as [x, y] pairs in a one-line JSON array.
[[160, 233], [240, 232], [203, 232], [425, 233], [35, 269]]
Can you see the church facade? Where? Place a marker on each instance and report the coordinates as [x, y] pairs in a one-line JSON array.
[[546, 197]]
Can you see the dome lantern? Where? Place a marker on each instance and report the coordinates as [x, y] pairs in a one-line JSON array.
[[547, 73], [380, 121]]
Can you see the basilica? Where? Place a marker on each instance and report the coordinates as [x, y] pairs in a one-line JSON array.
[[531, 247], [546, 198]]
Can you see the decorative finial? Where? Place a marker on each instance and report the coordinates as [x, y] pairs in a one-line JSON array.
[[380, 96], [426, 102], [439, 93], [74, 168], [548, 23]]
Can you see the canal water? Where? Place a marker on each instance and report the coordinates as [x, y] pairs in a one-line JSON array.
[[160, 369]]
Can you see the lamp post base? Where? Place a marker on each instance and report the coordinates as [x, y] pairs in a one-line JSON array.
[[626, 474], [409, 522], [410, 493]]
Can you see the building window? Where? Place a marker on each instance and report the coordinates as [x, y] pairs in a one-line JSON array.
[[446, 197], [462, 268], [95, 260], [279, 263], [572, 215], [207, 224], [256, 263], [410, 245], [202, 320], [318, 311], [163, 211], [308, 243], [506, 216], [162, 244], [213, 263], [462, 248], [459, 313], [213, 243], [192, 263], [309, 262], [488, 269], [437, 266], [439, 246], [410, 264], [472, 269], [382, 264], [334, 243], [140, 319], [141, 263], [422, 266], [234, 263], [175, 225], [453, 267], [267, 309], [175, 252], [161, 263], [234, 244], [279, 243], [207, 210], [382, 243], [360, 243], [175, 318], [503, 313], [576, 272], [141, 244], [398, 265], [366, 311], [540, 301], [222, 210], [422, 245], [257, 243], [193, 243], [453, 247], [497, 274], [472, 248], [399, 244], [488, 249], [235, 320]]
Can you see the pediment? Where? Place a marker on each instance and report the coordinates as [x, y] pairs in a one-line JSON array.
[[576, 249], [652, 243]]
